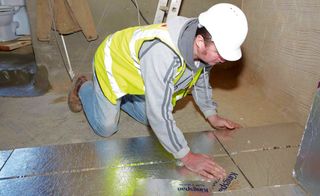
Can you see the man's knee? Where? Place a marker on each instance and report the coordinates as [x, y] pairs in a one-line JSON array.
[[105, 129]]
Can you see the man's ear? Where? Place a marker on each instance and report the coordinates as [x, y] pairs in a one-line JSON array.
[[199, 41]]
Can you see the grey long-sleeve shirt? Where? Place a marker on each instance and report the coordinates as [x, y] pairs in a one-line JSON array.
[[158, 70]]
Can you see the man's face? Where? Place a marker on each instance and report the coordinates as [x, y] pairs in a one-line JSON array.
[[209, 54]]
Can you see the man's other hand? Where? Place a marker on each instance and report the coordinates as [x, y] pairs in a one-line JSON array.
[[204, 165], [218, 122]]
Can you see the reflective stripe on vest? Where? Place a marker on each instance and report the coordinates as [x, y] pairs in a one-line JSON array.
[[117, 63]]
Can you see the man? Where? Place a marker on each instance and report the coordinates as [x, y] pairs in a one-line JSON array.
[[144, 70]]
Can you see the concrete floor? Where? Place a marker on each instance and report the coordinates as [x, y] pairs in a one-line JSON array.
[[19, 74], [46, 119]]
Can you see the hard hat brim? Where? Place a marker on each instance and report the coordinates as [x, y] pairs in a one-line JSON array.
[[229, 54]]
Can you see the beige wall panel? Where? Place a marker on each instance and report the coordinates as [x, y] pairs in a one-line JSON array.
[[282, 54], [192, 8]]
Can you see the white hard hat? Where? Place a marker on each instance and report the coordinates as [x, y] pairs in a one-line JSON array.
[[228, 28]]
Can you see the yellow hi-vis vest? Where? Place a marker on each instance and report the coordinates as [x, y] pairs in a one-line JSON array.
[[117, 63]]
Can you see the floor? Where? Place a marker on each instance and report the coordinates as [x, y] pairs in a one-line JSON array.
[[19, 74], [257, 160]]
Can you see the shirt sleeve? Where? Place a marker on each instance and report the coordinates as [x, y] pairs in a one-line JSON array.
[[158, 67], [202, 94]]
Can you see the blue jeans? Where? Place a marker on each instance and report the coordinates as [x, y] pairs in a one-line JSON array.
[[102, 115]]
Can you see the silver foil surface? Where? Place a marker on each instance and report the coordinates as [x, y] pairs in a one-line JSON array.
[[307, 168]]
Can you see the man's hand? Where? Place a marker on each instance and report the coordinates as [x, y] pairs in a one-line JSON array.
[[218, 122], [204, 165]]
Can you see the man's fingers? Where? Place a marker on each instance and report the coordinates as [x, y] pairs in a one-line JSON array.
[[210, 169], [215, 170], [232, 125], [203, 165], [206, 174], [237, 126], [229, 124], [219, 172], [212, 166], [212, 173], [206, 156], [220, 127]]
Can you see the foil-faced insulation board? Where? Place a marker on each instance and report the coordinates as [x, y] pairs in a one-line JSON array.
[[269, 167], [307, 168], [4, 156], [283, 190], [121, 167], [277, 136], [140, 166], [101, 154], [140, 180]]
